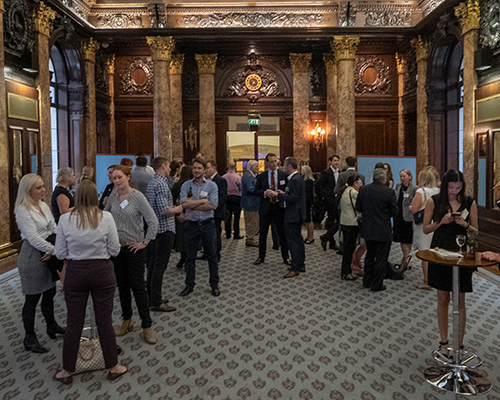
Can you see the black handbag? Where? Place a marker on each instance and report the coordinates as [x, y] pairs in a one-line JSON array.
[[53, 263], [418, 217]]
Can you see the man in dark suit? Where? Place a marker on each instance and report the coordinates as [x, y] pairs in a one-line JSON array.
[[271, 208], [220, 212], [326, 187], [294, 197], [378, 204], [351, 170]]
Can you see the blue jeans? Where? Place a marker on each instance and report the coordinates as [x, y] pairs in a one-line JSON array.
[[203, 231]]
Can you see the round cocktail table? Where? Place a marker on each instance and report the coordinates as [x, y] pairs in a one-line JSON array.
[[458, 373]]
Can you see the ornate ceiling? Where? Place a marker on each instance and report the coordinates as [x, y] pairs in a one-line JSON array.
[[127, 14]]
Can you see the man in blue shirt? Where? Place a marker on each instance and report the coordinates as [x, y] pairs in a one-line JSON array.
[[200, 197], [160, 198]]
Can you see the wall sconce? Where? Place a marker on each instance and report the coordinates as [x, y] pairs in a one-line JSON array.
[[317, 135]]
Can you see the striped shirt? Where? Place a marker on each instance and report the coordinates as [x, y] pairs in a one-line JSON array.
[[129, 215], [160, 199]]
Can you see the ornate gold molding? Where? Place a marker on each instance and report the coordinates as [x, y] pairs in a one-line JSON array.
[[344, 47], [110, 64], [43, 16], [206, 63], [161, 47], [400, 63], [176, 64], [331, 66], [2, 8], [469, 15], [300, 62], [90, 49], [421, 48]]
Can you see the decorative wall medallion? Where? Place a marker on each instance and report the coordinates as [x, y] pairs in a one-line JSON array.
[[253, 20], [372, 75], [253, 82], [388, 18], [17, 26], [118, 21], [490, 24], [137, 77]]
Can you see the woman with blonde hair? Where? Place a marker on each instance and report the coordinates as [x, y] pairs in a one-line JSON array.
[[87, 238], [427, 188], [309, 182], [87, 173], [36, 224], [62, 200], [403, 222]]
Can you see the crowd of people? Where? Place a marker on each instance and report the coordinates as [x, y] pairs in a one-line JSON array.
[[147, 212]]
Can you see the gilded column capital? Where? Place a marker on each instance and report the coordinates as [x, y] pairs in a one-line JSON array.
[[43, 16], [176, 64], [300, 62], [330, 64], [400, 63], [206, 63], [90, 49], [110, 64], [2, 8], [161, 47], [469, 15], [344, 47], [421, 48]]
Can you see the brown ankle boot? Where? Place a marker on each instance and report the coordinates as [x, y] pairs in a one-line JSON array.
[[149, 336], [126, 327]]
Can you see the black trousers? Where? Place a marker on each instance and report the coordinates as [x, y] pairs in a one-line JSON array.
[[377, 254], [233, 207], [277, 215], [332, 222], [350, 235], [129, 271], [29, 309], [218, 231], [160, 248], [296, 242]]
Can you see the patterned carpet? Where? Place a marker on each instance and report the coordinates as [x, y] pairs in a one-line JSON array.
[[310, 337]]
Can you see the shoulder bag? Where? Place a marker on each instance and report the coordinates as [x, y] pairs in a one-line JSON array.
[[358, 217], [418, 217]]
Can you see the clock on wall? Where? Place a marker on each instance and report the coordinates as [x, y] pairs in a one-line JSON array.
[[253, 82]]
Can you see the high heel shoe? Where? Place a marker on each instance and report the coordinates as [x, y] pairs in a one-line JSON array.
[[126, 327], [309, 241], [54, 329], [65, 380], [31, 344], [348, 277]]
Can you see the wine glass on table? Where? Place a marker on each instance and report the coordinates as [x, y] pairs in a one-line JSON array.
[[461, 241]]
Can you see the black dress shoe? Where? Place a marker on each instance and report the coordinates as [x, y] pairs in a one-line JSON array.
[[287, 262], [215, 291], [31, 344], [238, 237], [324, 242], [186, 291], [258, 261], [333, 246], [180, 265], [54, 329], [381, 289]]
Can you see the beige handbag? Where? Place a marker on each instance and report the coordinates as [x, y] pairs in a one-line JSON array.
[[90, 357]]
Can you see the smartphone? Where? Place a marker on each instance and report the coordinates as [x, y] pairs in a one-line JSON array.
[[456, 214]]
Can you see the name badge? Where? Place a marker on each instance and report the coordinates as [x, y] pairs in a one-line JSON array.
[[465, 213], [406, 195], [124, 203], [282, 182], [203, 194]]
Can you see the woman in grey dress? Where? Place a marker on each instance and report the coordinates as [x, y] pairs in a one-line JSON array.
[[36, 224]]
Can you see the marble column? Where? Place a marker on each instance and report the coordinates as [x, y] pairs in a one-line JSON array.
[[176, 106], [161, 51], [400, 65], [206, 71], [331, 105], [4, 148], [421, 49], [344, 48], [89, 51], [43, 16], [300, 69], [110, 64], [468, 14]]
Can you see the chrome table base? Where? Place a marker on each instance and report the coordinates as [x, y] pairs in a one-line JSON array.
[[457, 380]]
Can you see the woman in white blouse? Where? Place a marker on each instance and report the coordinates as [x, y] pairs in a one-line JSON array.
[[36, 224], [87, 238]]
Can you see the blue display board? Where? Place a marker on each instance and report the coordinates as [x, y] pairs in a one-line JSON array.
[[102, 162], [367, 164]]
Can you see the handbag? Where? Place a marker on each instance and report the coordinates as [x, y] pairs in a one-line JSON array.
[[53, 263], [358, 217], [418, 217], [90, 357]]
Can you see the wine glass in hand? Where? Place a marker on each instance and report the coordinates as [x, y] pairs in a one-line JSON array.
[[461, 241]]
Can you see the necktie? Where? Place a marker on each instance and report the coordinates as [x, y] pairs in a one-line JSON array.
[[273, 187]]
